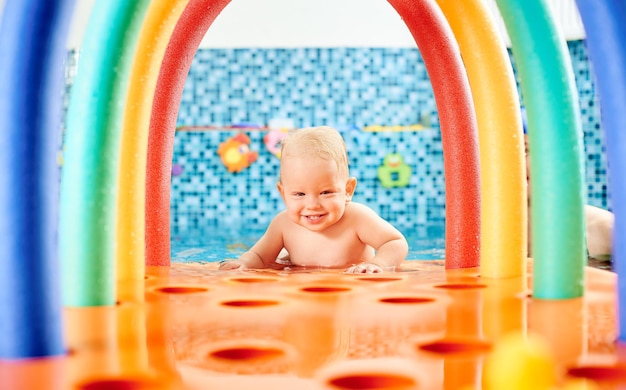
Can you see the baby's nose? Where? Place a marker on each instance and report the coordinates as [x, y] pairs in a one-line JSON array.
[[312, 202]]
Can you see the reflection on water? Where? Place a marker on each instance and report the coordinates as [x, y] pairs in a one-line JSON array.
[[217, 244]]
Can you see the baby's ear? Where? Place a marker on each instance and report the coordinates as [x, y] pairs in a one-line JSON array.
[[279, 187], [350, 187]]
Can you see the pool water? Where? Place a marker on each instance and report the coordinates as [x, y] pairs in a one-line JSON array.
[[214, 245]]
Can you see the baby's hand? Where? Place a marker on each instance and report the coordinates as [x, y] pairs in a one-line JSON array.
[[364, 268], [231, 265]]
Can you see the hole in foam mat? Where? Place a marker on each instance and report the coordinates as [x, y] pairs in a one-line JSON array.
[[248, 357], [253, 280], [460, 286], [444, 347], [181, 289], [615, 373], [373, 381], [122, 384], [406, 300], [325, 289], [248, 353], [250, 303]]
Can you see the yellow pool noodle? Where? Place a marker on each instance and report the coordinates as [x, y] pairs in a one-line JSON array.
[[504, 217], [158, 26]]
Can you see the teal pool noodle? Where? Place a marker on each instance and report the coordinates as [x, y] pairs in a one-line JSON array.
[[91, 152], [33, 34], [555, 143]]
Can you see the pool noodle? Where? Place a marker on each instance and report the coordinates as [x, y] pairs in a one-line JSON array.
[[605, 23], [188, 33], [504, 222], [91, 156], [156, 31], [33, 34], [555, 137], [438, 47]]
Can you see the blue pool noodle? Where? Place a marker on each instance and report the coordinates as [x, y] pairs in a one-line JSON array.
[[605, 24], [33, 35]]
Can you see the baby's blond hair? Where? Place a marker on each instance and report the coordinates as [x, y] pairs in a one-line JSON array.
[[317, 142]]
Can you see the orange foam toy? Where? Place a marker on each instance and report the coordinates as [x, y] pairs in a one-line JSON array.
[[236, 154], [420, 327]]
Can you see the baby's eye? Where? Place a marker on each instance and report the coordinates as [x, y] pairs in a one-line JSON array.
[[327, 192], [298, 194]]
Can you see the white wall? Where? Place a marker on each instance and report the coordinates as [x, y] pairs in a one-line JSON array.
[[291, 23], [308, 23], [82, 11], [318, 23]]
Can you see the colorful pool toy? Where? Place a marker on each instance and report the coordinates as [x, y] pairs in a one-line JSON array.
[[394, 172], [273, 140], [236, 154]]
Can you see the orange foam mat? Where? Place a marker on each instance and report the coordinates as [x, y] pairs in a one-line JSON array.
[[421, 327]]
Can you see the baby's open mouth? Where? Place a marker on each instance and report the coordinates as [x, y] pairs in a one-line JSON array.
[[313, 217]]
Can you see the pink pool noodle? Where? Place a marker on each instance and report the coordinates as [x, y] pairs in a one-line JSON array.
[[188, 33], [459, 132]]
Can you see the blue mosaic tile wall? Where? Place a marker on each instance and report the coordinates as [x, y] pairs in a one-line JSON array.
[[595, 156], [206, 194], [340, 87], [347, 88]]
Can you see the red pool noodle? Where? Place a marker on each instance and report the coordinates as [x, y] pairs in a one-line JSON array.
[[188, 33], [459, 132]]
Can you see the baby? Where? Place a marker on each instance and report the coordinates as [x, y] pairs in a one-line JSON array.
[[321, 226]]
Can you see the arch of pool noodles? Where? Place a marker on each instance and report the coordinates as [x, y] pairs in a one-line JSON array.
[[154, 36], [56, 30], [183, 45], [458, 124], [31, 78], [504, 222], [91, 156], [473, 225], [555, 137], [605, 23]]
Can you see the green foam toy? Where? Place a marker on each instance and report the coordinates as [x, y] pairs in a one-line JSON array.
[[394, 172]]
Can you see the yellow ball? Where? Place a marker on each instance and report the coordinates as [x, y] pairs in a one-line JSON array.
[[520, 361]]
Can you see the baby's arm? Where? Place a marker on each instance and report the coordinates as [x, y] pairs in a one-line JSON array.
[[599, 231], [262, 253], [248, 259], [390, 245], [387, 258]]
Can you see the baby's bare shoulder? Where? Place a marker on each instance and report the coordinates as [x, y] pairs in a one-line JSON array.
[[279, 221], [359, 210], [281, 217], [366, 219]]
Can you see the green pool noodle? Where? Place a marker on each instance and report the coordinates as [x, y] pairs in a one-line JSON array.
[[555, 142], [91, 152]]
